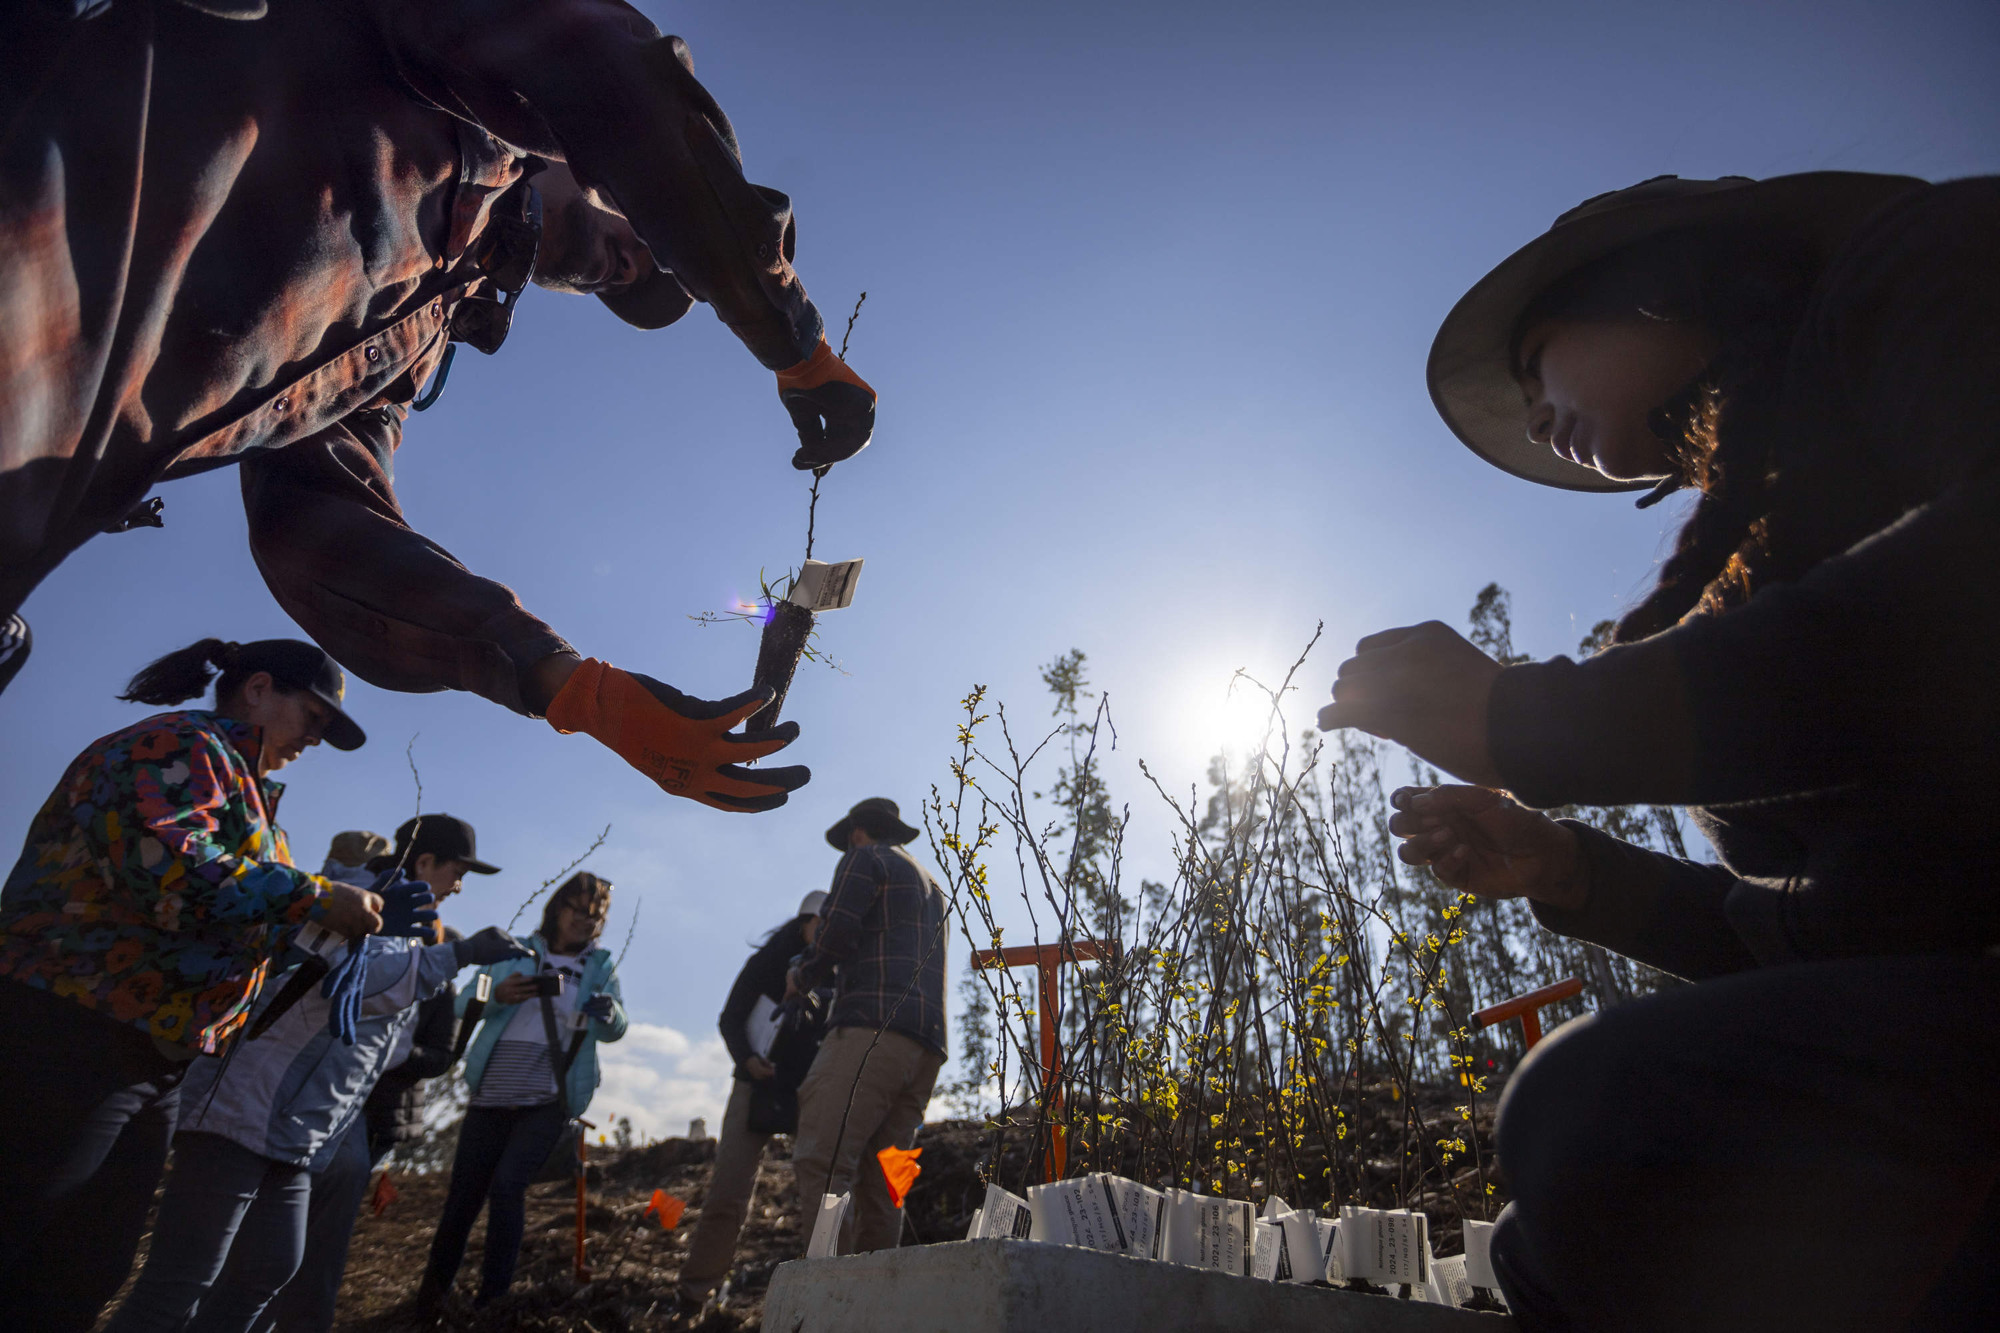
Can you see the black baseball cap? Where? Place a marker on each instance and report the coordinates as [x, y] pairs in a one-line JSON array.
[[447, 837], [305, 666]]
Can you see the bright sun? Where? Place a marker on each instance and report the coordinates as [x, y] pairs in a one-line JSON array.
[[1226, 715]]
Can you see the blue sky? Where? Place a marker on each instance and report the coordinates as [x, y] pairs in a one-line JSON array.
[[1150, 291]]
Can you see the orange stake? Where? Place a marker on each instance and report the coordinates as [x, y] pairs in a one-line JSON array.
[[582, 1162], [1528, 1008], [1048, 960]]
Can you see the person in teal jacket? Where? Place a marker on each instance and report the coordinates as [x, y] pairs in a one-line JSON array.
[[532, 1068]]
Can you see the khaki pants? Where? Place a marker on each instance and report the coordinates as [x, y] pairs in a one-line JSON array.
[[891, 1085], [727, 1203]]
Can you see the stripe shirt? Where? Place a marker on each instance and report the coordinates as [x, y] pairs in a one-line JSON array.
[[882, 935], [520, 1071]]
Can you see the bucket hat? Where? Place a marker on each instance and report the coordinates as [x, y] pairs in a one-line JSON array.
[[1471, 374], [878, 817]]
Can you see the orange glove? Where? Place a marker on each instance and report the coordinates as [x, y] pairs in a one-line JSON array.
[[682, 743], [833, 408]]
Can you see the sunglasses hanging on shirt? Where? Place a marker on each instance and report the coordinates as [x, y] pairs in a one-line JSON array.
[[506, 256]]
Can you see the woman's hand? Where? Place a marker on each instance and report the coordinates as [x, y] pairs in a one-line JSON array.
[[517, 989], [352, 912], [1424, 687], [759, 1069], [1480, 841]]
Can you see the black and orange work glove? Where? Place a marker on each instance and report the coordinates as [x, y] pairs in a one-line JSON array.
[[682, 743], [833, 408]]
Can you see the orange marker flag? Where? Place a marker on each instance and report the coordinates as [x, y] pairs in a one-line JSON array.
[[667, 1208], [383, 1195], [900, 1169]]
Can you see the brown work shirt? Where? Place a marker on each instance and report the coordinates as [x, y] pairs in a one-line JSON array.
[[244, 242]]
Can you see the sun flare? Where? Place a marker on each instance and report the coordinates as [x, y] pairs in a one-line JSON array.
[[1227, 714]]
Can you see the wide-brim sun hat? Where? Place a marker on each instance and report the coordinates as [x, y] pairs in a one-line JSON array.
[[879, 817], [1471, 371]]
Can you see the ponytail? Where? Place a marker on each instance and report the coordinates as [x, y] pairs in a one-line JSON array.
[[184, 674]]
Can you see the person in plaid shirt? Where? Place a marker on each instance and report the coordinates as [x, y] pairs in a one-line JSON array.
[[882, 937], [134, 933], [250, 235]]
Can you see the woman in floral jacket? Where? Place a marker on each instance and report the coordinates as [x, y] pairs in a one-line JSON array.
[[134, 933]]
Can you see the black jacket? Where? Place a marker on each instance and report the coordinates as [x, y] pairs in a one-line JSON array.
[[395, 1109], [763, 974], [1839, 730]]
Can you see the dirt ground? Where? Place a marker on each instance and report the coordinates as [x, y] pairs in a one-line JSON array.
[[634, 1265]]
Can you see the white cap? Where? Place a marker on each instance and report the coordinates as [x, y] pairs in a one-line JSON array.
[[812, 902]]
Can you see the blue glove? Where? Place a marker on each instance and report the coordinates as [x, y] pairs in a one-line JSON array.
[[598, 1007], [343, 986], [409, 908]]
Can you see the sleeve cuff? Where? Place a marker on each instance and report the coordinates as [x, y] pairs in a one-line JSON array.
[[317, 895], [1615, 913]]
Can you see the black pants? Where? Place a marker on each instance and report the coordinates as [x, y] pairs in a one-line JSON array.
[[87, 1107], [499, 1152], [306, 1302], [224, 1205], [1803, 1147]]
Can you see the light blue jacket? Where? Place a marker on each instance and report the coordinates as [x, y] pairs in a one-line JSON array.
[[291, 1094], [598, 978]]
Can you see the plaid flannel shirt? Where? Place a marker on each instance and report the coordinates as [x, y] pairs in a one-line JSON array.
[[156, 883], [883, 935], [247, 242]]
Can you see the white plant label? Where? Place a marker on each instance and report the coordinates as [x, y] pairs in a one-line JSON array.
[[315, 938], [1391, 1248], [1078, 1211], [825, 1243], [825, 587], [1002, 1216], [1142, 1213], [1268, 1252], [1433, 1289], [1307, 1238], [1479, 1255], [1206, 1232], [1448, 1284]]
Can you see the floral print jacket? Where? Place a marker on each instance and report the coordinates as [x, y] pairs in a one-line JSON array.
[[155, 881]]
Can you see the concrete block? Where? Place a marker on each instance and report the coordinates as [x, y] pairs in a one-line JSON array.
[[1005, 1286]]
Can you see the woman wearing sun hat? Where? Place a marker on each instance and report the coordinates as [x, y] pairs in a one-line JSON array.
[[1809, 1136], [134, 934]]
